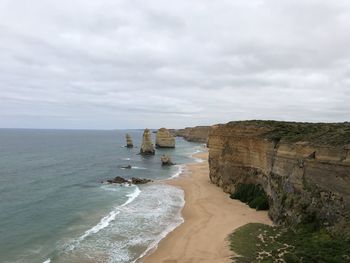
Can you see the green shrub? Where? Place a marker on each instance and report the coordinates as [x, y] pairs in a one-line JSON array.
[[253, 195]]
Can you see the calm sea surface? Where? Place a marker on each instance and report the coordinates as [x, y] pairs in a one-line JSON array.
[[53, 207]]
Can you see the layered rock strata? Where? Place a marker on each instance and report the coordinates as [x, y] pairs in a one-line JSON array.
[[164, 139], [194, 134], [303, 168], [147, 147]]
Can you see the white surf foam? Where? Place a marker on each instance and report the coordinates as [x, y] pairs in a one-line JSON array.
[[138, 168], [146, 218], [105, 221], [197, 160], [132, 196], [155, 243], [171, 227], [47, 261], [181, 169]]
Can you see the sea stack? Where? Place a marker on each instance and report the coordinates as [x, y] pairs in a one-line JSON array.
[[164, 139], [129, 142], [147, 147], [166, 160]]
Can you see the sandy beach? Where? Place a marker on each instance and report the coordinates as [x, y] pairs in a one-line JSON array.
[[209, 214]]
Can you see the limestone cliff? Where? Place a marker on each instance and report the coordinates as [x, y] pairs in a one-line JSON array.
[[194, 134], [147, 147], [304, 168], [164, 139]]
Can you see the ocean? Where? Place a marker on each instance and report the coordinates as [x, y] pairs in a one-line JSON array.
[[54, 208]]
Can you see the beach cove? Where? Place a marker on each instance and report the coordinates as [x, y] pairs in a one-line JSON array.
[[209, 217]]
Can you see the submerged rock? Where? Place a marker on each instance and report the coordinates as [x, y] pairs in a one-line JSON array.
[[129, 143], [135, 180], [147, 147], [166, 160], [126, 166], [164, 139]]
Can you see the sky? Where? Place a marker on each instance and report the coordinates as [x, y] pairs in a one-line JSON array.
[[112, 64]]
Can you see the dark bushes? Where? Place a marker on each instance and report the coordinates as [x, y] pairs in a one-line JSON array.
[[253, 195]]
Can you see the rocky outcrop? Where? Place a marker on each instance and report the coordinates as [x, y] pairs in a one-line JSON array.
[[166, 160], [164, 139], [303, 168], [147, 147], [134, 180], [129, 143], [117, 180], [194, 134]]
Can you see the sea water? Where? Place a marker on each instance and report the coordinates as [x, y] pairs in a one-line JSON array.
[[54, 208]]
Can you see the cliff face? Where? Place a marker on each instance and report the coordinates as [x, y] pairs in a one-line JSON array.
[[194, 134], [164, 139], [303, 168]]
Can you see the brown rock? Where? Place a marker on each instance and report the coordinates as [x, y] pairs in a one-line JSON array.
[[166, 160], [135, 180], [164, 139], [304, 176], [117, 180], [147, 147], [194, 134], [129, 142]]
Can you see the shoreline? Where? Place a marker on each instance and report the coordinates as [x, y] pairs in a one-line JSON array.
[[209, 214]]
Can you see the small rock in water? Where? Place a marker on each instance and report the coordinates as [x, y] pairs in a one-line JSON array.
[[117, 180], [166, 160], [129, 143], [135, 180], [126, 166]]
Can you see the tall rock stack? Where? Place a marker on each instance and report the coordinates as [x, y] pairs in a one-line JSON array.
[[129, 142], [164, 139], [147, 147]]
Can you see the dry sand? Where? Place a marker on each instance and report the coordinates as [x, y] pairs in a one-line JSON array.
[[210, 215]]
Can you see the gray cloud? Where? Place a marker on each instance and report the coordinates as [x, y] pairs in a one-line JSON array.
[[131, 64]]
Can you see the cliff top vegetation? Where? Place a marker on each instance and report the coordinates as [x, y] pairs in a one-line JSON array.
[[336, 134]]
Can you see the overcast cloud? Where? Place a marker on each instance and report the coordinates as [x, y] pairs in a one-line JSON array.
[[137, 63]]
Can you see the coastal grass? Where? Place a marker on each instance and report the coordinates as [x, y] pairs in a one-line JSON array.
[[262, 243], [318, 133], [253, 195]]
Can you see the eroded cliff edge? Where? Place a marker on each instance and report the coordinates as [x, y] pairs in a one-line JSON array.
[[304, 168], [193, 134]]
